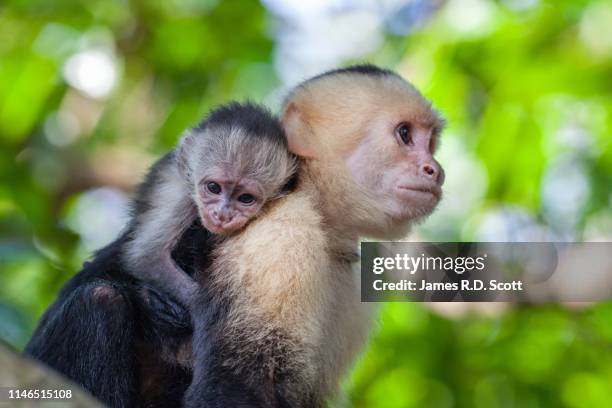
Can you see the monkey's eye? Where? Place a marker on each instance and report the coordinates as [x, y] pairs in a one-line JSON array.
[[213, 187], [246, 198], [403, 131]]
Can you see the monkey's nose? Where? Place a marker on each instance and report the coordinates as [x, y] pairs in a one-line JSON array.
[[217, 215], [222, 215], [430, 171]]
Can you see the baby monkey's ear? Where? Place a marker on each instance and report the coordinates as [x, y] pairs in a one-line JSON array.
[[300, 138]]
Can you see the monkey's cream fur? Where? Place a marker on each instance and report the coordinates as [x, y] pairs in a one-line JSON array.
[[289, 277], [288, 272]]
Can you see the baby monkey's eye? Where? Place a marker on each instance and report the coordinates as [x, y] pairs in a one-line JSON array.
[[213, 187], [403, 131], [246, 198]]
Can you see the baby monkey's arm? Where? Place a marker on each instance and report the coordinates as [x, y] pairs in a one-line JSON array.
[[164, 210]]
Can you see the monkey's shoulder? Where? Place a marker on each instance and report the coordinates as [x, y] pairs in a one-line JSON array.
[[161, 181], [293, 214], [280, 257], [286, 229]]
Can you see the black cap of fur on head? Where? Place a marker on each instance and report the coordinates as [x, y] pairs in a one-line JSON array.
[[362, 69], [256, 120]]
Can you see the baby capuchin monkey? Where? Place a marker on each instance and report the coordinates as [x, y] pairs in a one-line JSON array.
[[223, 172]]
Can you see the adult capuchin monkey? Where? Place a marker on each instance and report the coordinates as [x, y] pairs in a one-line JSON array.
[[280, 318]]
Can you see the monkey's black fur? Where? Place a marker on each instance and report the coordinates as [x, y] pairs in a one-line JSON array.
[[109, 333], [361, 69], [364, 69], [257, 121], [106, 330]]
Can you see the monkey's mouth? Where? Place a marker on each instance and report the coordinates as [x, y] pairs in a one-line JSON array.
[[221, 228], [421, 189]]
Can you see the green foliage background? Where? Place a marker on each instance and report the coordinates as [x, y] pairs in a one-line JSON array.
[[509, 91]]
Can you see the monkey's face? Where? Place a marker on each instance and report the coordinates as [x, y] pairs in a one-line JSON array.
[[226, 203], [378, 131], [394, 162]]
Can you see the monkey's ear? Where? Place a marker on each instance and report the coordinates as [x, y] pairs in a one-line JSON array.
[[298, 131]]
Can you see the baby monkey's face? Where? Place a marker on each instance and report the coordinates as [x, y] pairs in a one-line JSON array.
[[228, 201]]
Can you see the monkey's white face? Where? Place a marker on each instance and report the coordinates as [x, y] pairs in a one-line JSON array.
[[384, 132], [226, 202], [394, 161]]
